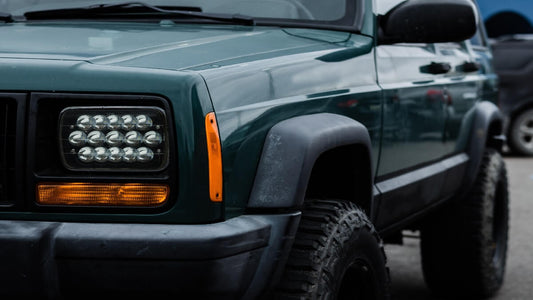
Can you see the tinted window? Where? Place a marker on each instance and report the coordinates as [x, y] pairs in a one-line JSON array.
[[477, 39]]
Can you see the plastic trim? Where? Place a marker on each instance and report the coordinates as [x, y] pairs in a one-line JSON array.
[[290, 151]]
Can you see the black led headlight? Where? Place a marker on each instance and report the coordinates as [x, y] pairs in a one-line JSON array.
[[114, 138]]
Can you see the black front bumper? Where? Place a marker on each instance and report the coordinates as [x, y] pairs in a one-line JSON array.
[[237, 258]]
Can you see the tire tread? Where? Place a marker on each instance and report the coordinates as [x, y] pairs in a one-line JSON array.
[[325, 226], [455, 255]]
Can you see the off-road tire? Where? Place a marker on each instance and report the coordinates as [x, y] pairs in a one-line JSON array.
[[337, 254], [464, 246], [521, 134]]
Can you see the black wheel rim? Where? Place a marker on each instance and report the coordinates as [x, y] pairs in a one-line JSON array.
[[524, 131]]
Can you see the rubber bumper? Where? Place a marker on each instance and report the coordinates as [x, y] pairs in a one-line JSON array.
[[220, 260]]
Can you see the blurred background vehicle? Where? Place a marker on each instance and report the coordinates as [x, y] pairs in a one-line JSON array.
[[509, 28]]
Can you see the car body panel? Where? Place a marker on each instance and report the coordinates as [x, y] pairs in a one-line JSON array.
[[149, 45], [281, 88]]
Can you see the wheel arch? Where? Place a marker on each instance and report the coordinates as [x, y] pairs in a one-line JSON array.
[[486, 131], [342, 173], [298, 150], [519, 108]]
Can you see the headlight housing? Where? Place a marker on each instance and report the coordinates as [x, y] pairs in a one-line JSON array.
[[112, 138]]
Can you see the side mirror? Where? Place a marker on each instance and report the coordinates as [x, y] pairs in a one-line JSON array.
[[429, 21]]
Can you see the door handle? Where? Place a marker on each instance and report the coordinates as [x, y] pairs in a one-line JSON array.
[[469, 66], [458, 78], [436, 68], [424, 81]]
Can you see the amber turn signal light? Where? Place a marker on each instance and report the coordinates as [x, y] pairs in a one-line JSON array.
[[102, 194], [215, 158]]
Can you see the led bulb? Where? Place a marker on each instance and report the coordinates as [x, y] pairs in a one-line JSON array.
[[102, 154], [128, 122], [114, 138], [130, 154], [100, 122], [115, 122], [95, 138], [144, 122], [123, 138], [145, 154], [85, 122], [115, 154], [152, 138], [133, 138], [86, 154], [77, 138]]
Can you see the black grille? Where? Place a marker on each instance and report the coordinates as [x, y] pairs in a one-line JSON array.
[[8, 119]]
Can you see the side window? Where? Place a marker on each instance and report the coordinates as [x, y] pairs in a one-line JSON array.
[[477, 40], [383, 6], [480, 39]]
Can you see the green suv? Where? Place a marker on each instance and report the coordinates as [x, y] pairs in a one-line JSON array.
[[246, 149]]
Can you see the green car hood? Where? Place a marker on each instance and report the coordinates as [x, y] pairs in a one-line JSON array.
[[147, 45]]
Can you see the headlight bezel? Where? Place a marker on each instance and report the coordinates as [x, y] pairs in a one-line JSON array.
[[70, 152], [44, 157]]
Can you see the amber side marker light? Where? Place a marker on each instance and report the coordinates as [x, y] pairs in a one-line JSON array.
[[215, 157], [102, 194]]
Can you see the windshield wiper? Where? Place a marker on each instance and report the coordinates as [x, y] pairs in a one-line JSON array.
[[131, 10]]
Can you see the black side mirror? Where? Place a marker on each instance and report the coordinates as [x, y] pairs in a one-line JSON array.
[[429, 21]]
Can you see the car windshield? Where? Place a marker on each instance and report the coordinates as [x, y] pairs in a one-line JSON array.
[[336, 12]]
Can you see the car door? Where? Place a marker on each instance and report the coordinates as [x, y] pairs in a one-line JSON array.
[[461, 91], [412, 77], [482, 56], [410, 175], [414, 106]]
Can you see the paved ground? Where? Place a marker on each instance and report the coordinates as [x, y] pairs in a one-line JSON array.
[[404, 261]]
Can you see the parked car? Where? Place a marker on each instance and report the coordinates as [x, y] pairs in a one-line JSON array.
[[509, 27], [246, 149]]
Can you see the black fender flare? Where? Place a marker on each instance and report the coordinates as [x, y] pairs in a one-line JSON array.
[[486, 131], [291, 148]]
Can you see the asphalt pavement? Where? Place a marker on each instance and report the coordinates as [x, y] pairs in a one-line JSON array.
[[404, 261]]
